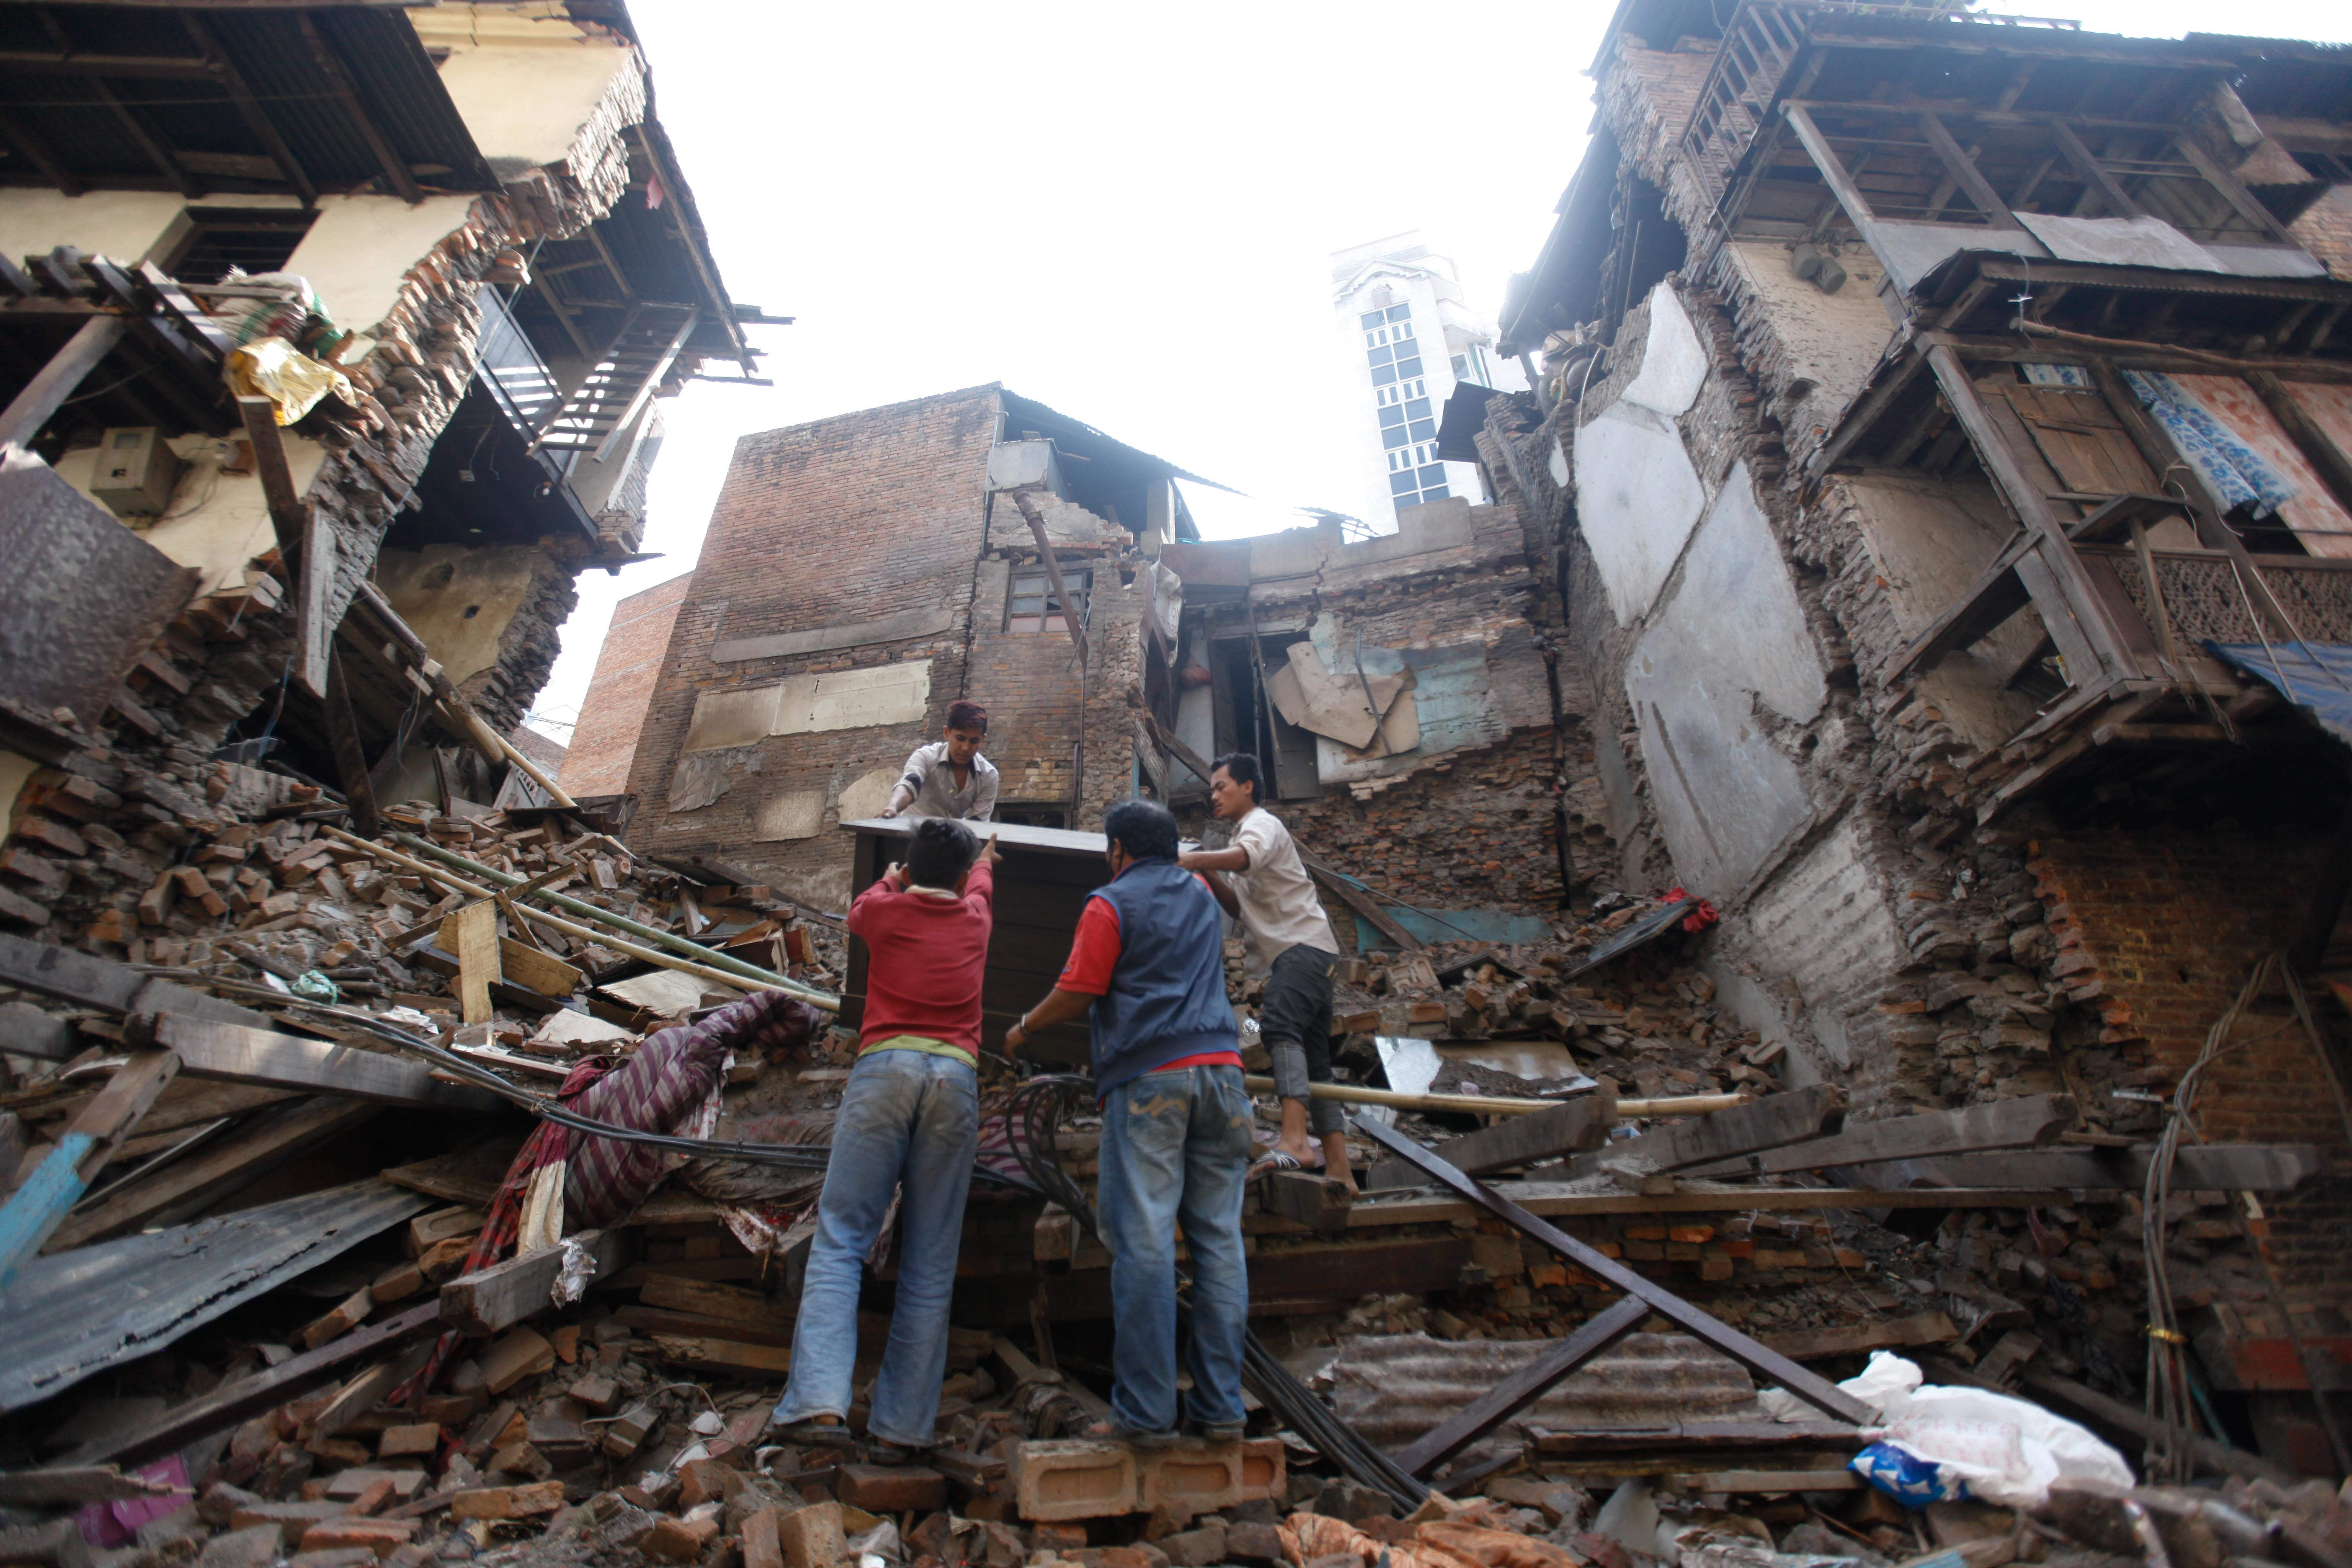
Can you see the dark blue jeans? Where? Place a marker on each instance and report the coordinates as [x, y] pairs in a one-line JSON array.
[[1175, 1148]]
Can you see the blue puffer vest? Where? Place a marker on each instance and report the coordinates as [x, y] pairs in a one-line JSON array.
[[1167, 996]]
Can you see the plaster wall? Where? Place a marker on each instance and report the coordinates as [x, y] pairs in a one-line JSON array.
[[124, 226], [1730, 652], [1832, 942], [1638, 497], [226, 518], [359, 252], [459, 600], [524, 77], [1825, 345]]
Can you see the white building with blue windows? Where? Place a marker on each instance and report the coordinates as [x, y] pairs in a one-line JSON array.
[[1409, 339]]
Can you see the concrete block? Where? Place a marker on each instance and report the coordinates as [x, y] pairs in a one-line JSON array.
[[256, 1546], [381, 1536], [1254, 1543], [1264, 1471], [679, 1540], [809, 1537], [1067, 1478], [508, 1502], [419, 1440], [892, 1489], [1195, 1548], [1191, 1479]]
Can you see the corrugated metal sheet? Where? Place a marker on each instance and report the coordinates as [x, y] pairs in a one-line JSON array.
[[1395, 1387], [79, 1312]]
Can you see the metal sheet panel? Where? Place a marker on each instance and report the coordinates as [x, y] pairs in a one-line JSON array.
[[1392, 1388], [79, 1312]]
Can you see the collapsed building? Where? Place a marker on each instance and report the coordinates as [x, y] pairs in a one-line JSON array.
[[1943, 440]]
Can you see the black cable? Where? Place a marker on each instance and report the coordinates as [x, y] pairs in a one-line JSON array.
[[1036, 1112]]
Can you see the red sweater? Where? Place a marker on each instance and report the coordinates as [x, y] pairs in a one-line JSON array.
[[923, 960]]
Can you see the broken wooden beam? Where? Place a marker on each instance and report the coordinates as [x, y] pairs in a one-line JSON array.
[[1522, 1388], [1319, 1203], [1839, 1480], [2021, 1123], [234, 1053], [1690, 1435], [2201, 1167], [1896, 1334], [1768, 1363], [303, 547], [72, 1486], [1501, 1105], [1570, 1127], [251, 1395], [37, 1208], [471, 934], [1790, 1117], [505, 1293]]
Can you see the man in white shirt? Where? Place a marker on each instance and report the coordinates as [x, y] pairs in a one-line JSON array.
[[1260, 882], [949, 777]]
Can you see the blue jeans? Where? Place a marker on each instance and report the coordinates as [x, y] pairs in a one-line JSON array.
[[908, 1120], [1175, 1148]]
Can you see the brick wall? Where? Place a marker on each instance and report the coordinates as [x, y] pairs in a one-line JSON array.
[[2159, 932], [605, 743], [842, 521]]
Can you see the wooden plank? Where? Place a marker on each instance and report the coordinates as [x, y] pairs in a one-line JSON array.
[[1964, 171], [250, 1396], [759, 1361], [1367, 909], [2023, 1124], [1919, 1328], [1575, 1126], [218, 1167], [55, 382], [234, 1053], [2208, 1167], [1692, 1434], [1766, 1123], [650, 1321], [343, 741], [1767, 1363], [725, 1303], [534, 970], [2117, 200], [1831, 166], [1522, 1388], [298, 544], [1321, 1204], [36, 1210], [504, 1294], [471, 934], [70, 1486], [1836, 1481]]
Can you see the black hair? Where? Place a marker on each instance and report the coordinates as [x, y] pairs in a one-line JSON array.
[[1141, 827], [943, 850], [1242, 767]]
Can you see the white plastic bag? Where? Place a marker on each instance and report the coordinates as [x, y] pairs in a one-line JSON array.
[[2007, 1451]]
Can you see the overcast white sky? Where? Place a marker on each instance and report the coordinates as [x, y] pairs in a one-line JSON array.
[[1124, 212]]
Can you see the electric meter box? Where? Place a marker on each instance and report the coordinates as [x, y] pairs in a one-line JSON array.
[[136, 472]]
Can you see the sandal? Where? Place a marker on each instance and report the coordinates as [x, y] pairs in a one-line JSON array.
[[809, 1432], [882, 1451], [1275, 1160], [1108, 1431]]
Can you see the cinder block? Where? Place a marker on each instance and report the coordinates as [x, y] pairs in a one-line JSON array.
[[892, 1489], [1194, 1478], [1068, 1479], [1265, 1470]]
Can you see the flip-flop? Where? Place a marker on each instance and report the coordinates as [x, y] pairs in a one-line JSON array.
[[1112, 1432], [1275, 1160], [811, 1432]]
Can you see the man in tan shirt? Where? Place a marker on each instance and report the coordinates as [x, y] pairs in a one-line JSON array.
[[1261, 883]]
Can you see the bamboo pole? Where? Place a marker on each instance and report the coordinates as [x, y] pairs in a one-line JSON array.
[[765, 981], [1501, 1105], [589, 911]]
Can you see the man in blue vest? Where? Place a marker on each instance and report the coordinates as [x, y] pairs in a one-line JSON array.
[[1148, 964]]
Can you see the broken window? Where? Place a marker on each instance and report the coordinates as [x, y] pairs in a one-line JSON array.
[[252, 240], [1028, 605]]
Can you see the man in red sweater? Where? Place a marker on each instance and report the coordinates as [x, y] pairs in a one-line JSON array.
[[908, 1123]]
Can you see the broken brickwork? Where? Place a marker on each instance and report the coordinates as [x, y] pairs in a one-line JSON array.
[[605, 741]]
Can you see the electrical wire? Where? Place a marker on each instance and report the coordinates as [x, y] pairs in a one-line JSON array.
[[1035, 1113]]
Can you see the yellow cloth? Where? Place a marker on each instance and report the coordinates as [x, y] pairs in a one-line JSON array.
[[923, 1043]]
